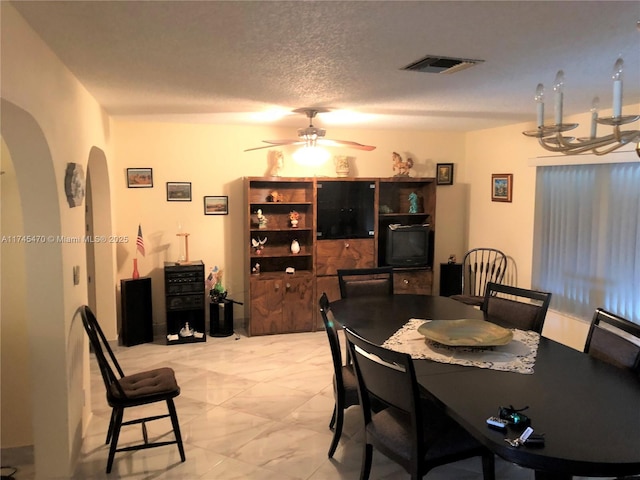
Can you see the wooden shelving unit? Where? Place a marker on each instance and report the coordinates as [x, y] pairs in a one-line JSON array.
[[280, 302]]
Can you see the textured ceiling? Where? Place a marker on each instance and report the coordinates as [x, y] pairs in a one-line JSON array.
[[226, 61]]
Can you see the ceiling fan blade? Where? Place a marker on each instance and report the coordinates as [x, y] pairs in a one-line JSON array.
[[345, 143], [276, 143]]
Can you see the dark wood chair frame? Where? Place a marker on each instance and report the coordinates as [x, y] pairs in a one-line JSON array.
[[602, 316], [372, 276], [390, 377], [542, 298], [479, 267], [117, 397], [345, 391]]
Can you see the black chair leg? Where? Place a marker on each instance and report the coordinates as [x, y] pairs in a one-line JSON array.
[[176, 427], [333, 418], [110, 431], [488, 466], [115, 434], [367, 457], [337, 433]]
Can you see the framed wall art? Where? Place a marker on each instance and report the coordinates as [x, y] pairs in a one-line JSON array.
[[139, 178], [216, 205], [501, 187], [444, 174], [178, 191]]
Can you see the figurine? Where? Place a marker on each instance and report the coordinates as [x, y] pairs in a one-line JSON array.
[[262, 220], [293, 218], [274, 196], [413, 202], [256, 269], [186, 331], [295, 247], [276, 162], [258, 245], [402, 166]]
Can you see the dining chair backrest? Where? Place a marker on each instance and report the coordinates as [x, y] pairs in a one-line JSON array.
[[479, 267], [332, 334], [517, 307], [365, 281], [614, 339], [105, 357]]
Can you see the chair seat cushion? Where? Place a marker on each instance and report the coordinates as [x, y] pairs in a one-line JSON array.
[[146, 384]]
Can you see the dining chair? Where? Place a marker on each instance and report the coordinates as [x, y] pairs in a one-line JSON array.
[[411, 430], [345, 390], [517, 307], [356, 282], [124, 391], [479, 267], [614, 340]]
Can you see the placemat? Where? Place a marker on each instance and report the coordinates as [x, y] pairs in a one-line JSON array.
[[519, 355]]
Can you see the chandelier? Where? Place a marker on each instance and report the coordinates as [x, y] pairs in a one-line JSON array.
[[551, 137]]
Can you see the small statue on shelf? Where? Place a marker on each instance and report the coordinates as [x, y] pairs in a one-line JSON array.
[[413, 202], [403, 166], [294, 217], [258, 245], [256, 269], [262, 220]]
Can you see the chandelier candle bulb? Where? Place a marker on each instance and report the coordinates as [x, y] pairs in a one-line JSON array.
[[617, 88], [558, 88], [595, 104], [539, 98]]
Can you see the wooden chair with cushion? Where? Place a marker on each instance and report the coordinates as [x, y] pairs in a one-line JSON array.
[[516, 307], [614, 340], [365, 281], [479, 267], [123, 391], [411, 431], [345, 390]]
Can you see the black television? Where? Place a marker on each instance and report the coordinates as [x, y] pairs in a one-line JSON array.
[[408, 245], [345, 209]]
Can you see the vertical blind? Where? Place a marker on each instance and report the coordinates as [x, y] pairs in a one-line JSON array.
[[587, 238]]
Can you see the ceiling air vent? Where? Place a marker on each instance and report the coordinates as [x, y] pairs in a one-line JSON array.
[[438, 64]]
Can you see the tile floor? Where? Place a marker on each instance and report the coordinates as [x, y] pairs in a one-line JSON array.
[[250, 408]]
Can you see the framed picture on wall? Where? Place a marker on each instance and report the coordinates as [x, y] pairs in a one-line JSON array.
[[178, 191], [139, 177], [216, 205], [444, 174], [501, 187]]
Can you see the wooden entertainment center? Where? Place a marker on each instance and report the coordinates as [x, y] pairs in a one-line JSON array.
[[281, 302]]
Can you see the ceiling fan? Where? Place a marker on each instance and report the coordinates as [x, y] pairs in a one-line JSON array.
[[313, 136]]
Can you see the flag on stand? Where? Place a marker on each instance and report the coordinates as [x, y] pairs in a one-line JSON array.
[[140, 241]]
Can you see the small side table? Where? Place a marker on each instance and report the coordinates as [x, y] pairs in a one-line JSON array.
[[221, 327], [450, 279]]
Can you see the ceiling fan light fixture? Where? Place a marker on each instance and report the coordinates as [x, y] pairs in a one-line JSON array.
[[310, 156]]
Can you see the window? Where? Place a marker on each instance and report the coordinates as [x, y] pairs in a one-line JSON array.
[[587, 238]]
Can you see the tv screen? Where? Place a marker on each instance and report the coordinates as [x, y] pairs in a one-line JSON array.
[[407, 245], [345, 209]]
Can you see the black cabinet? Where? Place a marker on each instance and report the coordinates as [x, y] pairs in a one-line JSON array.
[[137, 318], [185, 302], [450, 279]]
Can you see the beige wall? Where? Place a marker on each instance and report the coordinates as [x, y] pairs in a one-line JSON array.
[[48, 120], [211, 157]]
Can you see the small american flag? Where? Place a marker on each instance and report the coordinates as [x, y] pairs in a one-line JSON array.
[[140, 241]]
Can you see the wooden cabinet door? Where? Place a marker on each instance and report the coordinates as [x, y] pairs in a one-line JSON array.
[[348, 253], [413, 281], [266, 306], [297, 314]]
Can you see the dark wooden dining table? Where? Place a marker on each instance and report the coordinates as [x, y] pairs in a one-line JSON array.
[[588, 411]]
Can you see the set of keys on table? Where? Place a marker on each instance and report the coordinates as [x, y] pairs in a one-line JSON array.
[[511, 416]]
